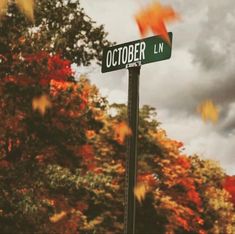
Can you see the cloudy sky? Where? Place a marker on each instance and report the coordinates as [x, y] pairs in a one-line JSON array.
[[202, 67]]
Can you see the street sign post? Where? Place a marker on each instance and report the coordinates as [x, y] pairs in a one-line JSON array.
[[131, 56]]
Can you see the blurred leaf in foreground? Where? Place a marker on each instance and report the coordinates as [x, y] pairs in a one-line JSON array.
[[25, 6], [3, 7], [208, 111], [122, 131], [154, 17], [41, 104], [140, 191]]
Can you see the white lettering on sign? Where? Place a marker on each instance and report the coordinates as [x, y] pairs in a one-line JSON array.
[[142, 50], [136, 52], [119, 55], [124, 54], [158, 49], [114, 63], [109, 59], [130, 53], [127, 54]]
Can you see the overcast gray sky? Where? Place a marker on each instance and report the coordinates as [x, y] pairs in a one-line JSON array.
[[202, 67]]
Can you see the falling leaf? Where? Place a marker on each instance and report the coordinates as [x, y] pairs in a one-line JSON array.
[[208, 111], [121, 132], [26, 6], [154, 17], [3, 7], [41, 104], [140, 191], [57, 217]]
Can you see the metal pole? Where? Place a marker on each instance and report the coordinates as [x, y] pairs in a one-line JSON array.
[[131, 162]]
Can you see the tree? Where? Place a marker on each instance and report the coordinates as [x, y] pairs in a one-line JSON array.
[[46, 159], [218, 210], [61, 27]]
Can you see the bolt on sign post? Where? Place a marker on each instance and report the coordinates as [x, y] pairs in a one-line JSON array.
[[131, 56]]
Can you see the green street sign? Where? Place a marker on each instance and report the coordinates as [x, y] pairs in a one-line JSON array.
[[136, 53]]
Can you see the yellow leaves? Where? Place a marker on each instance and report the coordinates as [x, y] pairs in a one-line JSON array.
[[57, 217], [208, 111], [122, 131], [154, 17], [41, 104], [140, 191], [25, 6]]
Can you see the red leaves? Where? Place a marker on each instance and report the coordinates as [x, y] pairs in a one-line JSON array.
[[87, 153], [183, 223], [229, 185], [154, 17], [184, 162], [59, 69], [192, 194], [148, 178], [51, 67], [56, 68]]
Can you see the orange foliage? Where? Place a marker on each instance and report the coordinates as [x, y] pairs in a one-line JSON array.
[[87, 153], [77, 94], [57, 217], [57, 86], [148, 178], [167, 143], [90, 134], [154, 17], [183, 223]]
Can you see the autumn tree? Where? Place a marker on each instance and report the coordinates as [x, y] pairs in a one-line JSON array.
[[60, 27], [218, 209], [47, 165]]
